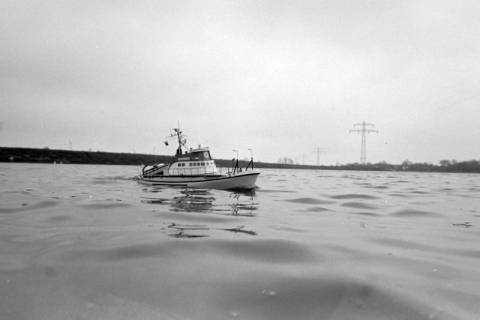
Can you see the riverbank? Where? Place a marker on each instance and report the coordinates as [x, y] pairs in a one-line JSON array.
[[45, 155], [34, 155]]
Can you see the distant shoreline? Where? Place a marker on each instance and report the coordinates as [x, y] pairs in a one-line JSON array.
[[45, 155]]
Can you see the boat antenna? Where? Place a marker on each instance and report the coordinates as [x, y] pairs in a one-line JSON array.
[[235, 162], [251, 159]]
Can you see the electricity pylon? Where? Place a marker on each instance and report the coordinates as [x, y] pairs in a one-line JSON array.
[[318, 151], [362, 128]]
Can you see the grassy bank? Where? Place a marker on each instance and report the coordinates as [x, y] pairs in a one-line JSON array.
[[45, 155]]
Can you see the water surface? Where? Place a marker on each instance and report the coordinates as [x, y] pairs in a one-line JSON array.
[[88, 242]]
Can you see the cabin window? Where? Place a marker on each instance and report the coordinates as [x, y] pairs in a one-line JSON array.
[[203, 163]]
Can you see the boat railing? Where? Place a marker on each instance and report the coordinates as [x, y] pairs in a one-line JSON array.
[[232, 171]]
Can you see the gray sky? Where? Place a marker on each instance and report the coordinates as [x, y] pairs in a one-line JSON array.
[[281, 77]]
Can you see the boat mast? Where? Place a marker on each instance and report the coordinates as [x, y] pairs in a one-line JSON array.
[[181, 140]]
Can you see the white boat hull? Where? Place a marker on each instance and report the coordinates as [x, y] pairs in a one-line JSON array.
[[242, 180]]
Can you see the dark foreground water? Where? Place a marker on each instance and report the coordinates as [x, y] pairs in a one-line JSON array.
[[87, 242]]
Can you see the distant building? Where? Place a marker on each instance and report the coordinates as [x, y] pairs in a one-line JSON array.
[[285, 160]]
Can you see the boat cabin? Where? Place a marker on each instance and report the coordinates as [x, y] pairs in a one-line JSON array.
[[192, 163]]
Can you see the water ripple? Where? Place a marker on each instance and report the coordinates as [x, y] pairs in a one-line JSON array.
[[309, 201], [27, 207], [354, 196], [359, 205], [414, 213], [264, 251]]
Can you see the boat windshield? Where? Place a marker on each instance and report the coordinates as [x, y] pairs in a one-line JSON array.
[[200, 155], [195, 156]]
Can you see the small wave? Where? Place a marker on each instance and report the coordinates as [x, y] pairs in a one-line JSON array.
[[363, 213], [378, 187], [471, 253], [359, 205], [105, 205], [289, 229], [354, 196], [399, 243], [264, 251], [26, 207], [317, 209], [310, 201], [445, 189], [275, 190], [414, 213], [320, 297], [352, 177], [110, 180], [419, 192], [398, 195], [267, 250], [410, 245], [59, 218], [27, 191]]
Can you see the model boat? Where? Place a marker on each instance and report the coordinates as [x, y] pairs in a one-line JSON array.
[[196, 168]]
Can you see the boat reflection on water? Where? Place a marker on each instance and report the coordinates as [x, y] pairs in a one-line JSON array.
[[203, 201], [235, 203], [193, 201]]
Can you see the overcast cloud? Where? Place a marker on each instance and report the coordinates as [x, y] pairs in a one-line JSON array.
[[281, 77]]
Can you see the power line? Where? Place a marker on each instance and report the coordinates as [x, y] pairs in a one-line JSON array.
[[363, 129]]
